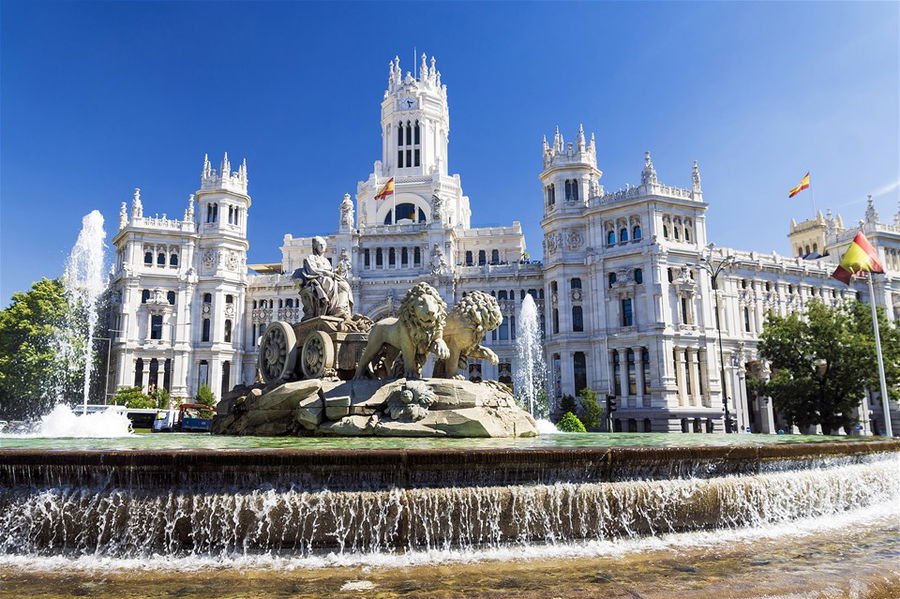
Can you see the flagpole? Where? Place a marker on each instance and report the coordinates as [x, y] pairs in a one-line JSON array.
[[885, 402]]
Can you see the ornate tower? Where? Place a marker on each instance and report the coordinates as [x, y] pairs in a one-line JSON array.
[[415, 121], [570, 176]]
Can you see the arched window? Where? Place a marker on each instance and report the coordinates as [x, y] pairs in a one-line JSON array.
[[577, 319], [173, 260], [501, 295], [677, 234], [636, 232], [229, 299], [687, 234], [148, 258], [417, 256], [139, 372], [638, 276], [495, 257], [404, 256], [610, 238], [469, 260], [289, 303], [482, 257], [161, 259], [612, 279], [815, 248], [623, 235], [417, 137], [379, 257], [207, 298], [665, 231], [204, 334], [171, 297], [367, 258], [145, 295], [400, 133], [392, 257], [227, 330]]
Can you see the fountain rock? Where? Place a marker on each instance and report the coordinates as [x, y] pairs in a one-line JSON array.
[[403, 408]]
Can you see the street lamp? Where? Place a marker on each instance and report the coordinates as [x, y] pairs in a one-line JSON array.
[[714, 269]]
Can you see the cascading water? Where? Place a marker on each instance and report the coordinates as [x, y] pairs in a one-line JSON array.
[[529, 372], [84, 284]]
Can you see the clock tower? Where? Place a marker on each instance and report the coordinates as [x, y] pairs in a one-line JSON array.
[[415, 122]]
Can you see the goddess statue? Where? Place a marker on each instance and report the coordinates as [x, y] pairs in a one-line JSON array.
[[322, 291]]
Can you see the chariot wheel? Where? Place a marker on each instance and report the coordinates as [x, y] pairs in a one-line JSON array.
[[277, 352], [317, 355]]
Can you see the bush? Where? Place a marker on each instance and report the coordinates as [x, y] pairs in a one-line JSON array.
[[567, 404], [570, 423], [205, 396], [591, 411], [133, 397], [161, 396]]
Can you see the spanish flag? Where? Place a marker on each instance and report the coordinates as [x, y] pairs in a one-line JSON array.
[[859, 257], [387, 190], [804, 183]]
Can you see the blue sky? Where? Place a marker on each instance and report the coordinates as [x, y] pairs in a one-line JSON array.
[[99, 98]]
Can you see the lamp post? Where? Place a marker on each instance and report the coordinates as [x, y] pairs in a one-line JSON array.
[[714, 269]]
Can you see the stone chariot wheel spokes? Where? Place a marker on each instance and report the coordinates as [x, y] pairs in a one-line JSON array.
[[317, 356], [277, 352]]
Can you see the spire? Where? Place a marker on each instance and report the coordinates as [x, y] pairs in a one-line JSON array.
[[207, 167], [433, 71], [137, 208], [695, 178], [648, 175], [593, 145], [580, 139], [557, 140], [242, 172], [871, 213], [897, 216], [123, 216], [225, 170], [189, 213], [546, 147]]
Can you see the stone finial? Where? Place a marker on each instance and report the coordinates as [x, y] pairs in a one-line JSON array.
[[123, 216], [871, 213], [580, 139], [189, 212], [207, 167], [225, 169], [593, 144], [242, 172], [546, 147], [433, 70], [137, 208], [695, 178], [423, 68], [648, 175], [558, 140]]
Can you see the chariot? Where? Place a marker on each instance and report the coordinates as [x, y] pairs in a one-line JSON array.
[[321, 347]]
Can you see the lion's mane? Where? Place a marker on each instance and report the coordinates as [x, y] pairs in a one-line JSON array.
[[423, 336]]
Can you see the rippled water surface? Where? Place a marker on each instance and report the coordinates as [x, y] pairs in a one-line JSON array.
[[206, 441]]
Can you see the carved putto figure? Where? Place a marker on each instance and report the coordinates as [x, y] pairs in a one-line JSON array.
[[474, 315], [415, 333], [322, 291]]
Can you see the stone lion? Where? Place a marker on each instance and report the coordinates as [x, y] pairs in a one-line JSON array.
[[476, 314], [417, 332]]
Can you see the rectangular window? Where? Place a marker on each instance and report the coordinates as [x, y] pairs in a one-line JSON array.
[[632, 373], [399, 158], [747, 319], [617, 381], [416, 163], [205, 332], [645, 363], [409, 158], [684, 310], [555, 321], [627, 313], [156, 324], [366, 258]]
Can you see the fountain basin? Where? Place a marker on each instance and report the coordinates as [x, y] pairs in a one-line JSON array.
[[363, 502]]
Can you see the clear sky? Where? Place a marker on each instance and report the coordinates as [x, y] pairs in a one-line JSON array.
[[99, 98]]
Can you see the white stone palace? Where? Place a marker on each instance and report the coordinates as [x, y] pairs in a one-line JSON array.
[[625, 309]]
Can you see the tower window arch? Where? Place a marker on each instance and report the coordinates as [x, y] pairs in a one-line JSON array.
[[482, 257], [469, 258], [148, 258], [495, 257], [636, 232], [623, 235], [161, 259], [610, 238], [417, 256]]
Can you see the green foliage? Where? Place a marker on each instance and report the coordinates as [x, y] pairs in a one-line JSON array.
[[570, 423], [34, 374], [823, 360], [591, 412], [205, 396], [161, 398], [567, 404], [133, 397]]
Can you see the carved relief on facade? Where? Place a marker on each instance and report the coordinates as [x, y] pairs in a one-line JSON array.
[[574, 239], [210, 260]]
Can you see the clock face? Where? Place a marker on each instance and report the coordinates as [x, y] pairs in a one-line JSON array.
[[407, 103]]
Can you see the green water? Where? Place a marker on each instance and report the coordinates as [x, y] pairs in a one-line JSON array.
[[206, 441]]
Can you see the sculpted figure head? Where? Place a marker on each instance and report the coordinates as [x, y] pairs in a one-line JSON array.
[[319, 245]]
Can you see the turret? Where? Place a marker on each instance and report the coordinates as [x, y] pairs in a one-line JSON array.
[[570, 176], [222, 199]]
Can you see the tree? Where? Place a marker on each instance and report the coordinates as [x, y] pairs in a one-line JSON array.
[[570, 423], [567, 403], [133, 397], [205, 396], [161, 398], [36, 371], [591, 413], [822, 362]]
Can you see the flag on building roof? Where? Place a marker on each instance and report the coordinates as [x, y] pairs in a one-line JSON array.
[[859, 257], [387, 190], [804, 184]]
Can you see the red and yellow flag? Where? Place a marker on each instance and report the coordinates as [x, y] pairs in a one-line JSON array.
[[387, 190], [859, 257], [804, 184]]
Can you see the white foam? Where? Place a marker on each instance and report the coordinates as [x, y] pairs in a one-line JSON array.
[[63, 422], [545, 427]]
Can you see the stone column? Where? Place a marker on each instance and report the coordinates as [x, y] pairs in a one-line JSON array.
[[691, 355], [639, 374], [623, 373], [679, 373], [704, 377]]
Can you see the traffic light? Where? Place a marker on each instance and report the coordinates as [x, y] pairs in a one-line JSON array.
[[611, 404]]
